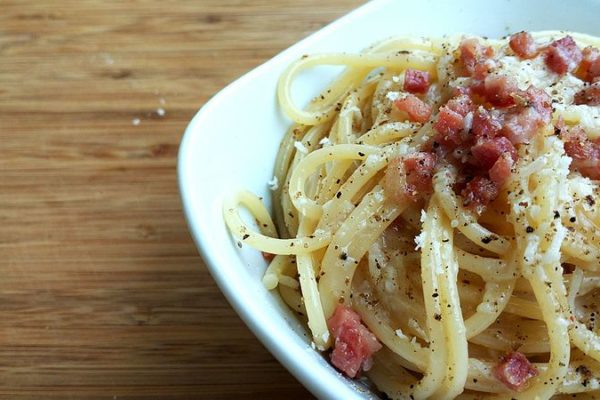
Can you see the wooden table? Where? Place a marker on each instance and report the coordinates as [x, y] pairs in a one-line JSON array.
[[102, 292]]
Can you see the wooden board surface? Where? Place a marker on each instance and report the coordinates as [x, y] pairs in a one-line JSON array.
[[102, 292]]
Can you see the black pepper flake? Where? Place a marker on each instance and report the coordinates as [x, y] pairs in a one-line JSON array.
[[434, 295], [486, 239], [529, 229], [239, 244], [590, 200], [557, 131], [584, 371], [437, 317], [246, 236], [556, 215], [338, 194], [361, 154], [572, 219], [343, 256]]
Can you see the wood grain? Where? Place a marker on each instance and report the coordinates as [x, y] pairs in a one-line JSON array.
[[102, 292]]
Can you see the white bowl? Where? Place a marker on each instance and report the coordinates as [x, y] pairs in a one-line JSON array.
[[231, 144]]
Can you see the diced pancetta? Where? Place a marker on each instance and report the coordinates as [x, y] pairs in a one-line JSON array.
[[416, 81], [523, 45], [487, 151], [485, 124], [416, 109], [540, 101], [589, 95], [499, 90], [472, 53], [584, 152], [563, 55], [408, 177], [523, 123], [589, 68], [419, 173], [353, 344], [461, 104], [514, 370], [502, 169], [478, 193], [448, 126]]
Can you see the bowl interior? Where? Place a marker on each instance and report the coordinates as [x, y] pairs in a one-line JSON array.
[[231, 144]]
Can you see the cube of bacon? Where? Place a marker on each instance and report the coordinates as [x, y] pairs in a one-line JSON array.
[[487, 151], [416, 109], [589, 68], [485, 124], [523, 45], [416, 81], [563, 55], [406, 178], [540, 101], [502, 169], [419, 173], [461, 104], [478, 193], [523, 123], [473, 53], [354, 344], [589, 95], [499, 90], [448, 125], [514, 371], [584, 152]]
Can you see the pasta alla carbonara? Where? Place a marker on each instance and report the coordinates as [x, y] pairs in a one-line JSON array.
[[436, 215]]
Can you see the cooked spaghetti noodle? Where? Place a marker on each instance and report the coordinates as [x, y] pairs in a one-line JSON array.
[[436, 216]]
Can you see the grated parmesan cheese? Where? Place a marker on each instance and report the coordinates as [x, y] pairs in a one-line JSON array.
[[423, 216], [301, 147], [414, 324], [400, 334], [273, 183], [393, 96], [325, 141], [419, 240]]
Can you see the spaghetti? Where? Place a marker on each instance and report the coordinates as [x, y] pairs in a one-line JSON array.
[[435, 215]]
